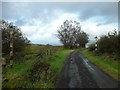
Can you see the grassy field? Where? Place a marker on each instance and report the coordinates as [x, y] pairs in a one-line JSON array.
[[28, 74], [104, 62]]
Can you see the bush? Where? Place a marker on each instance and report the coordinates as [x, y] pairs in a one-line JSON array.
[[92, 47], [109, 43]]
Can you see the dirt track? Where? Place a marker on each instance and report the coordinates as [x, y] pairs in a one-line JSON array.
[[78, 72]]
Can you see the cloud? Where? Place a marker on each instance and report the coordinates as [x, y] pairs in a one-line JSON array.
[[39, 21], [108, 11], [45, 11], [93, 30], [60, 1], [20, 22], [86, 10], [45, 33]]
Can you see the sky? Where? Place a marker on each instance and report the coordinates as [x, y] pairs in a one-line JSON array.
[[39, 21]]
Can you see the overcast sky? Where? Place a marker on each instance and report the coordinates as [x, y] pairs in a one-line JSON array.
[[40, 21]]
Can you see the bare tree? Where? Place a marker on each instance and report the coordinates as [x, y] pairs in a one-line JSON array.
[[70, 34]]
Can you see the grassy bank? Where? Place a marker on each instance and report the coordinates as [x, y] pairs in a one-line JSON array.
[[56, 63], [104, 62], [21, 75]]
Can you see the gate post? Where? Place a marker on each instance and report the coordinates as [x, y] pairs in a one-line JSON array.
[[96, 44]]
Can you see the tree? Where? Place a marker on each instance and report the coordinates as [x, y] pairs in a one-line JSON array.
[[20, 41], [82, 39], [70, 34]]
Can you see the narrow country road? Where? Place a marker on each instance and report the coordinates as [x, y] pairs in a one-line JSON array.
[[78, 72]]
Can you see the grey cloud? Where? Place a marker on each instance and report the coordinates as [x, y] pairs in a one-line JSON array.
[[108, 20], [107, 10], [86, 10], [100, 24]]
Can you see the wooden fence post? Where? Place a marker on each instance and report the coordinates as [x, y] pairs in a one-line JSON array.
[[11, 48], [3, 69], [50, 52], [47, 52]]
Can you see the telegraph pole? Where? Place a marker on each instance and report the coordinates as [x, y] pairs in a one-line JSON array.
[[11, 47]]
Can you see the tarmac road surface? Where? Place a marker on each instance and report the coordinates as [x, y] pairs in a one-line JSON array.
[[78, 72]]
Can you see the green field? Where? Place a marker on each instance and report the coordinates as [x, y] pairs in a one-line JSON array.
[[28, 68], [106, 63]]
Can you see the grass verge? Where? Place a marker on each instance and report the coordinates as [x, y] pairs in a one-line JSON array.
[[106, 64], [19, 75], [56, 63], [16, 74]]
